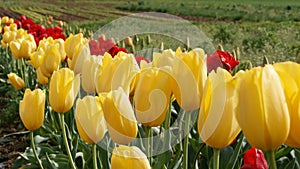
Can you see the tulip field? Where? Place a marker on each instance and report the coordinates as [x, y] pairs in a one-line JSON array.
[[149, 84]]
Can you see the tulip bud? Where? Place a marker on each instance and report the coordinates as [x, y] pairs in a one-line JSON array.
[[254, 158], [32, 108], [51, 60], [16, 81], [152, 96], [4, 20], [129, 157], [42, 79], [217, 125], [128, 41], [116, 72], [63, 90], [261, 107], [90, 119], [89, 72], [119, 117], [291, 86], [190, 73]]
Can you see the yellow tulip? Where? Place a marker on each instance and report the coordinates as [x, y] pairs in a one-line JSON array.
[[152, 96], [289, 75], [37, 57], [190, 74], [82, 54], [32, 108], [77, 49], [90, 119], [217, 125], [16, 81], [42, 79], [23, 47], [63, 90], [89, 72], [4, 19], [129, 157], [262, 107], [116, 72], [51, 60], [163, 59], [119, 117]]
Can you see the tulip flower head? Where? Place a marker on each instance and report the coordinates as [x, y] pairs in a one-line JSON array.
[[63, 89], [291, 85], [254, 159], [119, 116], [125, 157], [116, 72], [89, 73], [152, 95], [90, 119], [16, 81], [217, 125], [262, 111], [32, 108], [189, 73]]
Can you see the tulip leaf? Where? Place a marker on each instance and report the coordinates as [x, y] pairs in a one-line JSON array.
[[51, 163], [164, 158], [282, 151], [232, 161], [38, 139], [282, 162], [225, 156], [291, 164]]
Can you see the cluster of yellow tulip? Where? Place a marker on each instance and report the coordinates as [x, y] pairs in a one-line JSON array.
[[262, 102]]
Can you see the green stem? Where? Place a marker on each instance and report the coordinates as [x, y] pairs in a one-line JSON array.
[[186, 141], [34, 150], [216, 158], [148, 131], [271, 159], [62, 119], [95, 156]]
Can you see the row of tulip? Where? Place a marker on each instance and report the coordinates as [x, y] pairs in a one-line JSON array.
[[260, 102]]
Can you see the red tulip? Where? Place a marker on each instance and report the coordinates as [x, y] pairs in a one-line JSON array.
[[219, 58], [254, 159]]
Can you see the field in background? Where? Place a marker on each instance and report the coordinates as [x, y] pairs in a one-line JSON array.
[[268, 28]]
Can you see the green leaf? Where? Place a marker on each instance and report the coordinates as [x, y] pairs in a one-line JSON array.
[[232, 161], [291, 164], [225, 156], [51, 163], [162, 159], [38, 139]]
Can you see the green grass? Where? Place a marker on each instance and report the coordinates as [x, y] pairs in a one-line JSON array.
[[245, 10]]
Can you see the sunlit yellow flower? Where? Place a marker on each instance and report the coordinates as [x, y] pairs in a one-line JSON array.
[[63, 89], [90, 119], [152, 95], [42, 79], [82, 53], [89, 72], [217, 125], [23, 47], [129, 157], [116, 72], [119, 117], [190, 74], [32, 108], [16, 81], [289, 73], [262, 107], [51, 60], [4, 19]]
